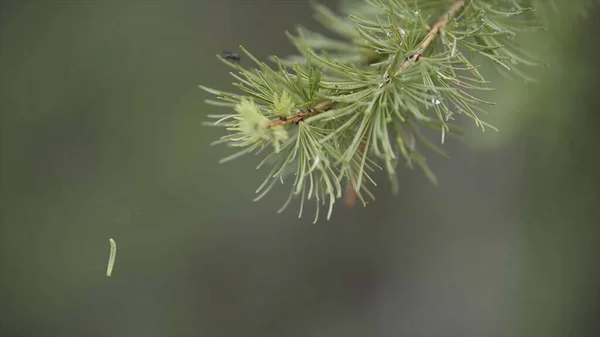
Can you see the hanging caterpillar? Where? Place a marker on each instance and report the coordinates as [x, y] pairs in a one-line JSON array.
[[111, 257]]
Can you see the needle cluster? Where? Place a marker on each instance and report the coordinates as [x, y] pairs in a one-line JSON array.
[[326, 119]]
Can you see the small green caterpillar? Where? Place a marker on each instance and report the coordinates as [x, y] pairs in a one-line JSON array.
[[111, 257]]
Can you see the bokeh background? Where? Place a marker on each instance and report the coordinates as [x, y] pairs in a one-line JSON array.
[[101, 137]]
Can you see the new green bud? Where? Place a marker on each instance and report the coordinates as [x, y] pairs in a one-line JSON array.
[[253, 124], [251, 120], [283, 105]]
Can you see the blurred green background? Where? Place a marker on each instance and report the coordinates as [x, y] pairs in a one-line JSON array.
[[101, 137]]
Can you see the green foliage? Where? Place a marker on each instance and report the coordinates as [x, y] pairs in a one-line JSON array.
[[348, 106], [568, 8]]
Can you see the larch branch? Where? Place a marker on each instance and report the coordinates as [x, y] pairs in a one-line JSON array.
[[440, 24]]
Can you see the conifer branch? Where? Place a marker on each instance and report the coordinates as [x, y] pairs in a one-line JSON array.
[[350, 195], [327, 118], [326, 105]]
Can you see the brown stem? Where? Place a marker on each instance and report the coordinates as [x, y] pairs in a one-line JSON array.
[[301, 114], [351, 195], [433, 32]]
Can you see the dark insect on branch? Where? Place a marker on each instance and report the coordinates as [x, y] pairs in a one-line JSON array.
[[233, 57]]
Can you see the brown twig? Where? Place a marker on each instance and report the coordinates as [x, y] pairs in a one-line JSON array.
[[433, 32], [301, 114], [350, 195]]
